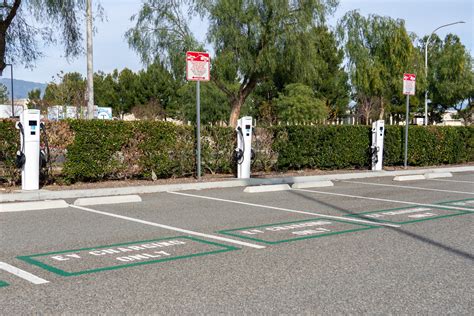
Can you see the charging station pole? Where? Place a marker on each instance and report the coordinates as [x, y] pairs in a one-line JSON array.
[[30, 143], [198, 69], [378, 129], [244, 146]]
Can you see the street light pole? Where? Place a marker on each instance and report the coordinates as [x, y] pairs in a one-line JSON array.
[[90, 71], [11, 88], [426, 66]]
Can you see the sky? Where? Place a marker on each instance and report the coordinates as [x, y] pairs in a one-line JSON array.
[[112, 52]]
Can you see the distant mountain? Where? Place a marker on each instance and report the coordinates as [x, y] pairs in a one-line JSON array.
[[22, 87]]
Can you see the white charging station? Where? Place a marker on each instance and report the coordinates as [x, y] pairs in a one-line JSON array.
[[243, 151], [29, 127], [378, 130]]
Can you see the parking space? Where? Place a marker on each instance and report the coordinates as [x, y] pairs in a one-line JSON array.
[[366, 246]]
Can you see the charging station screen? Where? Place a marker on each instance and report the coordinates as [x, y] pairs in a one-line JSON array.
[[33, 124]]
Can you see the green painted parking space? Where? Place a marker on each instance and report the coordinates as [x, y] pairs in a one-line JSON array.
[[3, 283], [467, 203], [123, 255], [292, 231], [406, 215]]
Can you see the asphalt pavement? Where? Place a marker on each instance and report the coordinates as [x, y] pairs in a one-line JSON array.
[[362, 246]]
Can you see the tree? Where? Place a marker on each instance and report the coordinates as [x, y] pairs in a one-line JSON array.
[[154, 89], [126, 91], [325, 74], [248, 38], [3, 94], [162, 34], [263, 98], [298, 103], [156, 86], [23, 23], [451, 77], [35, 101], [213, 107], [152, 110], [69, 91], [467, 113], [118, 90], [104, 89], [379, 51]]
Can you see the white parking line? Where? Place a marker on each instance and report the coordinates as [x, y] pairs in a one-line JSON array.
[[22, 274], [388, 200], [285, 209], [461, 181], [406, 187], [185, 231]]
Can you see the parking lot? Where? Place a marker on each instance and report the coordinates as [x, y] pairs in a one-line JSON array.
[[371, 246]]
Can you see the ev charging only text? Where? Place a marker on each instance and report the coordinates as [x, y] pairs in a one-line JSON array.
[[147, 251]]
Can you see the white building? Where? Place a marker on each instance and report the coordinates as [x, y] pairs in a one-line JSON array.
[[6, 110], [60, 112], [448, 119]]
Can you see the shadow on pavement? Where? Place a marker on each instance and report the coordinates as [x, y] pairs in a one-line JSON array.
[[457, 252]]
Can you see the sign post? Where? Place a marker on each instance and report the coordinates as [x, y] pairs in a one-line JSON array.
[[198, 69], [408, 89]]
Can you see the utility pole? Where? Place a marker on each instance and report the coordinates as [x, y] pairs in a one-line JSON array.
[[11, 84], [90, 69]]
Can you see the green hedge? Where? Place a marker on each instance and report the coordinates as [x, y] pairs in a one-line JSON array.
[[165, 149], [98, 150], [94, 154], [146, 149], [432, 145], [9, 144], [322, 147]]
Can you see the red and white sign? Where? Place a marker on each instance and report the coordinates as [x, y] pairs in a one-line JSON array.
[[409, 84], [198, 66]]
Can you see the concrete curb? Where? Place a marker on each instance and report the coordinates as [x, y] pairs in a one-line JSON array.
[[436, 175], [108, 200], [71, 194], [267, 188], [312, 184], [409, 177]]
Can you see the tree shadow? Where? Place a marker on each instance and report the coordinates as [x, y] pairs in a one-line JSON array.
[[449, 249]]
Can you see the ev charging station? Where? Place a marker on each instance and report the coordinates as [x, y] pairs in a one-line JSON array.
[[28, 158], [378, 129], [243, 152]]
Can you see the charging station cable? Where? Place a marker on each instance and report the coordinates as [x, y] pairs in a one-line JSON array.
[[20, 154], [44, 156], [374, 152], [253, 153], [239, 152]]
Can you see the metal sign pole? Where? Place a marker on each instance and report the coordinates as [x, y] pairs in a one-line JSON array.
[[198, 69], [198, 129], [409, 81], [406, 130]]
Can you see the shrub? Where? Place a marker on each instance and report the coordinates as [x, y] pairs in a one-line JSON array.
[[95, 150], [9, 144], [217, 146], [322, 147], [432, 145], [165, 149], [95, 153]]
